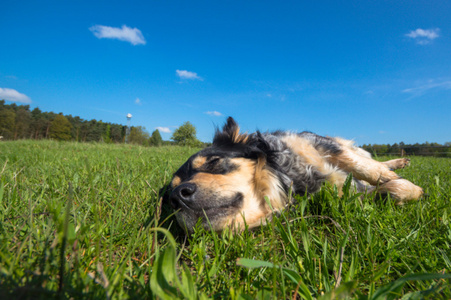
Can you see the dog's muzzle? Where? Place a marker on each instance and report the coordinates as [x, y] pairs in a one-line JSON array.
[[183, 196], [193, 202]]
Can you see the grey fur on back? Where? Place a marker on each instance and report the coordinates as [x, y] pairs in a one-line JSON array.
[[289, 167]]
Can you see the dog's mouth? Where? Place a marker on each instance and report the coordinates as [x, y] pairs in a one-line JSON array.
[[206, 204], [212, 207]]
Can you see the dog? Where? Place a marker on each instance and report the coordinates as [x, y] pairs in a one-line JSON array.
[[241, 179]]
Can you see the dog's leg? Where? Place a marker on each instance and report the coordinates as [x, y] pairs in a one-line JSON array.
[[398, 163], [357, 161], [401, 190], [338, 178], [363, 168], [351, 159], [376, 173], [310, 155], [393, 164]]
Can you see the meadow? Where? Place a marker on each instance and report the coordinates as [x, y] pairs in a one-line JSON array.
[[85, 221]]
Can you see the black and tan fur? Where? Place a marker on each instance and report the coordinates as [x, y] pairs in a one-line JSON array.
[[226, 183]]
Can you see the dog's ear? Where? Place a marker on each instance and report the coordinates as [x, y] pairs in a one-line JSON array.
[[231, 127], [230, 134]]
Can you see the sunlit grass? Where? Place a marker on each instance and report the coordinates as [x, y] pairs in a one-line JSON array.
[[85, 221]]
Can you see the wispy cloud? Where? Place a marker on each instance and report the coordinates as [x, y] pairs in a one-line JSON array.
[[183, 74], [138, 101], [430, 85], [423, 36], [164, 129], [14, 96], [214, 113], [125, 33]]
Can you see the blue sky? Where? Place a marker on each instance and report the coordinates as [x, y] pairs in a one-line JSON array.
[[372, 71]]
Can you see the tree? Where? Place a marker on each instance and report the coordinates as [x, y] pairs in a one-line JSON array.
[[107, 134], [60, 128], [23, 122], [155, 139], [138, 135], [7, 123], [38, 124], [186, 135], [117, 133], [76, 123], [47, 117], [95, 131]]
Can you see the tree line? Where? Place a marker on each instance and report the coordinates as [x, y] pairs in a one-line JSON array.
[[19, 122], [401, 149]]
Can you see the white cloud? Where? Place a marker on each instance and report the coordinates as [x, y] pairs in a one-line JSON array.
[[164, 129], [125, 33], [138, 101], [424, 36], [13, 95], [214, 113], [183, 74]]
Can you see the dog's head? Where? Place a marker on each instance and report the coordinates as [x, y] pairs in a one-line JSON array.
[[226, 183]]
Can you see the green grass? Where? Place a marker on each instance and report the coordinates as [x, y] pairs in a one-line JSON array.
[[85, 221]]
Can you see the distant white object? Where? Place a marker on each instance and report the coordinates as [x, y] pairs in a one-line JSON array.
[[1, 137], [127, 130]]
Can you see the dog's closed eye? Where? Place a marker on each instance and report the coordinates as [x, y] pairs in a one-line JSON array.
[[214, 160], [217, 165]]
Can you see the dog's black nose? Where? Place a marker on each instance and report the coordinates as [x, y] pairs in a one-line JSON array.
[[183, 193]]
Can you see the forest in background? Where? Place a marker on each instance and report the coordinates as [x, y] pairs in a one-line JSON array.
[[401, 149], [19, 122]]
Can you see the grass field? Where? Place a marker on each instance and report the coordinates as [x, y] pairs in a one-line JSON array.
[[84, 221]]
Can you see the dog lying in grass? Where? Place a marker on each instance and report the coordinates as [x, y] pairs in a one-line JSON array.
[[226, 184]]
